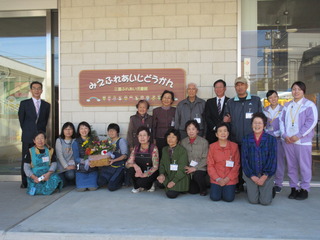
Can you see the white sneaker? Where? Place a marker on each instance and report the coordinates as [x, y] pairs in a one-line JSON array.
[[137, 190], [153, 188]]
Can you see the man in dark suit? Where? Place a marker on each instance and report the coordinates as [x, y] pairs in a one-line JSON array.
[[33, 116], [214, 110]]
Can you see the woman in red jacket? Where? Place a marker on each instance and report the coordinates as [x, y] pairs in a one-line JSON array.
[[223, 166]]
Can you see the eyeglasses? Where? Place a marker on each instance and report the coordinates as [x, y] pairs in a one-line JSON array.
[[37, 88]]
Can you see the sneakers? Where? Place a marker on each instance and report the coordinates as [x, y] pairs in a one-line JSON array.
[[137, 190], [294, 193], [277, 189], [153, 188], [302, 195]]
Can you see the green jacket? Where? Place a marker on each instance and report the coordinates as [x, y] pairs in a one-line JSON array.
[[180, 178]]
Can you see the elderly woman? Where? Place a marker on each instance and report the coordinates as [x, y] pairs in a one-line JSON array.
[[297, 122], [163, 119], [141, 118], [143, 162], [197, 148], [172, 166], [39, 166], [223, 166], [259, 161], [113, 175], [85, 180], [66, 164]]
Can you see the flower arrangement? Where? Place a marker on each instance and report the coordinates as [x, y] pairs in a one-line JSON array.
[[102, 149]]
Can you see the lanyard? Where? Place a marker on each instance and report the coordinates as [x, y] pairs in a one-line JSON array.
[[294, 117], [274, 116]]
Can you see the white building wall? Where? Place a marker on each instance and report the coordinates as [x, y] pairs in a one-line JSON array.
[[199, 36]]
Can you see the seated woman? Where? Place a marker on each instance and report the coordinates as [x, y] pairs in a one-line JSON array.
[[141, 118], [113, 175], [86, 180], [223, 166], [143, 162], [259, 161], [197, 148], [39, 166], [172, 166], [66, 164]]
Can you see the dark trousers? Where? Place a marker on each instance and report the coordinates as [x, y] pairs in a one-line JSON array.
[[25, 149], [114, 177], [241, 181], [138, 182], [198, 182], [225, 193], [161, 143]]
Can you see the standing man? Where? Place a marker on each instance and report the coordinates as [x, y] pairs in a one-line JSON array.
[[238, 114], [214, 110], [190, 108], [33, 116]]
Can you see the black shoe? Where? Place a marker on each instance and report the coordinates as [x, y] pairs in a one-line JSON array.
[[204, 193], [23, 186], [273, 192], [302, 195], [277, 189], [294, 193]]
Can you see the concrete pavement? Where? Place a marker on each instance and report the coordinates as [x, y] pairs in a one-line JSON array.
[[124, 215]]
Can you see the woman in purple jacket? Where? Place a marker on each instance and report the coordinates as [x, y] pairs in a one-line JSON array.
[[297, 122]]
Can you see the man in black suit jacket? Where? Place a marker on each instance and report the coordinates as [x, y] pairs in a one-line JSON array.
[[33, 116], [212, 115]]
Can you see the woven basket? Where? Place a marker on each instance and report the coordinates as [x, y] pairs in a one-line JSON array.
[[99, 160]]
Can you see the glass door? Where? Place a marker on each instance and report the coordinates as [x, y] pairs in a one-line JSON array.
[[23, 58]]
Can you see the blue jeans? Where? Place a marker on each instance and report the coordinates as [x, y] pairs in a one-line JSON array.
[[226, 193]]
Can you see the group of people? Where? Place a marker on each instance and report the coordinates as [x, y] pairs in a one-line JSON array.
[[220, 143]]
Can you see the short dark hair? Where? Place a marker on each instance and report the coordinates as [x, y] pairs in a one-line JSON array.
[[194, 122], [260, 115], [301, 85], [35, 82], [143, 128], [167, 91], [68, 124], [39, 133], [223, 124], [270, 92], [221, 81], [143, 101], [175, 132], [83, 123], [114, 126]]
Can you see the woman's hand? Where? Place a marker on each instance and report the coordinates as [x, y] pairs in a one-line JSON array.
[[293, 139], [227, 118], [71, 167], [288, 140], [190, 169], [47, 176], [137, 170], [255, 179], [171, 184], [261, 180], [161, 178], [34, 178]]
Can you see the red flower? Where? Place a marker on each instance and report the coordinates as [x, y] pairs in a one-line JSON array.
[[88, 151]]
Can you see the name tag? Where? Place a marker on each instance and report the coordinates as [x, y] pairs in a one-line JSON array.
[[198, 120], [229, 163], [45, 159], [172, 123], [173, 167], [193, 163], [249, 115]]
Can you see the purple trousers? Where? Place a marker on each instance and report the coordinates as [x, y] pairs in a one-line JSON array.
[[281, 165], [299, 161]]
